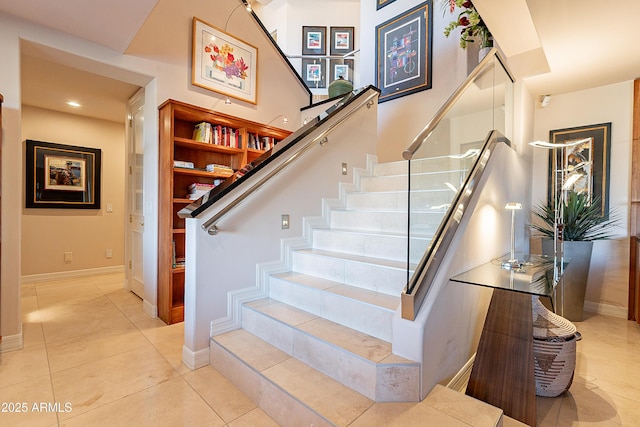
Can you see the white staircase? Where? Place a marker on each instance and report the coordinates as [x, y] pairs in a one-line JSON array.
[[317, 349]]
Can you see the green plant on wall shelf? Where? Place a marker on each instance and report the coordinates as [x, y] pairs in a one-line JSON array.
[[582, 219], [472, 24]]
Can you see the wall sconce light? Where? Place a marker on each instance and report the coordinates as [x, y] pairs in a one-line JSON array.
[[545, 100], [513, 262], [284, 119]]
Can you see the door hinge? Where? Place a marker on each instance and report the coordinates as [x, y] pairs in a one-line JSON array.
[[129, 264], [130, 123], [130, 219], [130, 170]]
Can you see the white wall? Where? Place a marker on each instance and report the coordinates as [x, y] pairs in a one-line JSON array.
[[289, 16], [158, 61], [87, 233], [401, 119], [608, 276], [234, 271]]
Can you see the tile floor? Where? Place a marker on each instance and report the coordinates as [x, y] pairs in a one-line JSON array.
[[90, 348]]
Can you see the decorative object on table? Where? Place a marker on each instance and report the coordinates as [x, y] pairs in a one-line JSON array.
[[403, 53], [224, 64], [314, 40], [342, 41], [513, 261], [581, 224], [62, 176], [473, 27], [554, 350], [382, 3], [339, 87], [341, 67], [314, 72], [590, 158]]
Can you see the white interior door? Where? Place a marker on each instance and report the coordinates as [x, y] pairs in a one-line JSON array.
[[135, 219]]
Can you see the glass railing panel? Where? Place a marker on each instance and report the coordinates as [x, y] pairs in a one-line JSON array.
[[442, 156]]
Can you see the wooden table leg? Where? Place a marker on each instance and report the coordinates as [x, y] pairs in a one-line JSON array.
[[502, 374]]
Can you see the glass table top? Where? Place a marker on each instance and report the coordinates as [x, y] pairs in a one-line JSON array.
[[533, 275]]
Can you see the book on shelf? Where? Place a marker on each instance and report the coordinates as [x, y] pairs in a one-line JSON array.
[[199, 189], [202, 132], [183, 164], [221, 169]]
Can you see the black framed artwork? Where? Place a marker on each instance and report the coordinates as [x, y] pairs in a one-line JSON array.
[[341, 40], [314, 40], [403, 53], [382, 3], [590, 158], [314, 72], [62, 176], [341, 67]]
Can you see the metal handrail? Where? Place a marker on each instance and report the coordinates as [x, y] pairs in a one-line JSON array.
[[210, 225], [408, 153]]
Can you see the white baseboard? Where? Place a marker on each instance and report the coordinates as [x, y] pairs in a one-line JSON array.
[[36, 278], [195, 359], [606, 309], [150, 309], [461, 379], [11, 343]]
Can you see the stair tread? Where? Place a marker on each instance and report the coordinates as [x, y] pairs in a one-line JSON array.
[[379, 299], [357, 258], [333, 400], [363, 345], [374, 233]]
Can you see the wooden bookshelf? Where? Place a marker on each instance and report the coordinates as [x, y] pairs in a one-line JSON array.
[[177, 123]]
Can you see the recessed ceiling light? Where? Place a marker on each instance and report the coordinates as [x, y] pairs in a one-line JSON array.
[[73, 103]]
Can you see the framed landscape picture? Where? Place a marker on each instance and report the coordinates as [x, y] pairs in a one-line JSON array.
[[590, 158], [341, 67], [62, 176], [314, 73], [341, 40], [403, 53], [314, 40], [224, 64]]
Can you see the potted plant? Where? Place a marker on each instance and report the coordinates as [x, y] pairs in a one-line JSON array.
[[582, 224], [473, 27]]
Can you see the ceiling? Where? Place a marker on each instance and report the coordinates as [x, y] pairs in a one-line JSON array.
[[560, 46]]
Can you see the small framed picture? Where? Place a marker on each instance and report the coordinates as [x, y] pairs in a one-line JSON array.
[[314, 40], [314, 73], [341, 68], [62, 176], [382, 3], [341, 40]]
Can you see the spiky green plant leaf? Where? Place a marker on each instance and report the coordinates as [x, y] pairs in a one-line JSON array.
[[582, 219]]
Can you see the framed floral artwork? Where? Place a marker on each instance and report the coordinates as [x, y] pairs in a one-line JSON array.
[[224, 64], [403, 52], [62, 176], [314, 40]]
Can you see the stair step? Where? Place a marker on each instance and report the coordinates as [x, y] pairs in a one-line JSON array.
[[423, 223], [358, 360], [361, 309], [425, 180], [377, 245], [288, 390], [397, 200], [376, 274]]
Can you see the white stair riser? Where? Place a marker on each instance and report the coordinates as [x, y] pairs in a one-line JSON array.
[[353, 371], [278, 404], [377, 278], [420, 165], [421, 200], [424, 181], [363, 317], [370, 245], [424, 223]]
